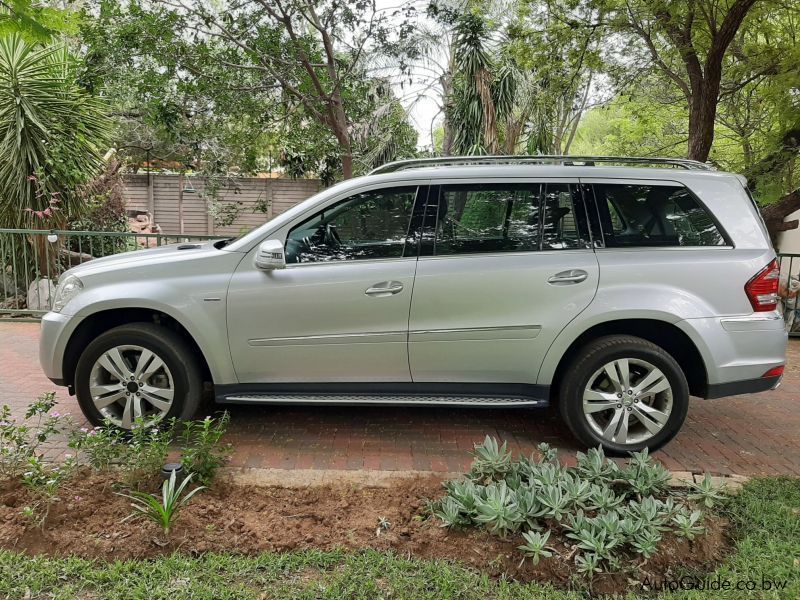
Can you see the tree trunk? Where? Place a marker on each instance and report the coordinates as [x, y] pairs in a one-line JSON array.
[[702, 113], [491, 141], [774, 214]]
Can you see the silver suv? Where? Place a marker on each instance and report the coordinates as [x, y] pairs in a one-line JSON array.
[[614, 287]]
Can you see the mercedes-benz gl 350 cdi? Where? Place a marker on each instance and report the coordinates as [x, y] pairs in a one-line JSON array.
[[614, 291]]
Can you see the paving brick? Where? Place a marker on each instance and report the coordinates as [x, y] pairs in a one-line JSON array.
[[744, 435]]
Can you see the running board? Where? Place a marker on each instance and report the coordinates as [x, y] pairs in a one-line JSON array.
[[381, 399]]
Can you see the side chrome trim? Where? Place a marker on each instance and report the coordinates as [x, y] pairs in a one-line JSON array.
[[766, 321], [511, 332], [380, 337]]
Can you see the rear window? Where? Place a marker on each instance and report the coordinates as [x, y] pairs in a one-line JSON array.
[[654, 215]]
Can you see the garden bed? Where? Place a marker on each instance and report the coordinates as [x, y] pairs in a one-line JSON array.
[[91, 522]]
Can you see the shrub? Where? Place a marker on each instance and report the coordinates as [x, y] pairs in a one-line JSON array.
[[20, 441], [609, 517], [138, 454], [201, 451], [165, 510]]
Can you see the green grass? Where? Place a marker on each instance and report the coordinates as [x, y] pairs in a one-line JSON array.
[[765, 517]]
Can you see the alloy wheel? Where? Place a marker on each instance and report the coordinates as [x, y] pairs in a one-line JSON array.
[[627, 401], [131, 382]]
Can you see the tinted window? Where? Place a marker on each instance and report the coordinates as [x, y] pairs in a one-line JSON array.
[[487, 218], [369, 225], [654, 215], [561, 221]]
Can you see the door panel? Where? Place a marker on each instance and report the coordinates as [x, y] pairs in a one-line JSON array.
[[512, 265], [492, 318], [339, 311], [315, 322]]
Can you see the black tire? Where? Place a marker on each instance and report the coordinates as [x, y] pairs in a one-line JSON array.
[[593, 357], [167, 345]]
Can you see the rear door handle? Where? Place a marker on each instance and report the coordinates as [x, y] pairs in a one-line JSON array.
[[384, 288], [568, 277]]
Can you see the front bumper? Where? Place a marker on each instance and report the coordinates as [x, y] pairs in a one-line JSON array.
[[56, 329]]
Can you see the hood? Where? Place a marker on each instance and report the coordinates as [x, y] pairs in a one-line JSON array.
[[143, 258]]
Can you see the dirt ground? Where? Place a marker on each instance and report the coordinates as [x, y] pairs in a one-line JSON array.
[[91, 521]]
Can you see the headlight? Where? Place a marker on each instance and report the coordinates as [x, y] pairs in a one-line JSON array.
[[66, 290]]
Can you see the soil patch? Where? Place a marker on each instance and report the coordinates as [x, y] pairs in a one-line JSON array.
[[92, 521]]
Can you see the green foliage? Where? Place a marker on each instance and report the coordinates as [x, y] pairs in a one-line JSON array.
[[163, 511], [535, 546], [706, 492], [612, 517], [201, 451], [491, 460], [52, 133], [20, 441], [44, 480]]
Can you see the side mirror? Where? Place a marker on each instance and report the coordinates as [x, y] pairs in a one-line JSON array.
[[270, 255]]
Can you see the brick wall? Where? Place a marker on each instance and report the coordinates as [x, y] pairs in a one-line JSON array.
[[278, 195]]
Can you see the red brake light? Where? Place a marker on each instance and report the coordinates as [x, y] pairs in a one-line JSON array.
[[774, 372], [762, 289]]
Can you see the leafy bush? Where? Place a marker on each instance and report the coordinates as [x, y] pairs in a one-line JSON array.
[[201, 451], [20, 441], [608, 517], [165, 510], [138, 454]]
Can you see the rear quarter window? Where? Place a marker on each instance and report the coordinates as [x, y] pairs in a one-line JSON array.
[[634, 215]]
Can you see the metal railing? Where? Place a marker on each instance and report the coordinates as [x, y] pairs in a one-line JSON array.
[[39, 256], [541, 159], [789, 290]]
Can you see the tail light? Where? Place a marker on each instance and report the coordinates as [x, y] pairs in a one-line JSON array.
[[762, 289]]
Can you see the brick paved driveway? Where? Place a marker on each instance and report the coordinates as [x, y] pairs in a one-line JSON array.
[[746, 435]]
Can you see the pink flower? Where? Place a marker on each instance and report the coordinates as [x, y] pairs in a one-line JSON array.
[[78, 498], [55, 414]]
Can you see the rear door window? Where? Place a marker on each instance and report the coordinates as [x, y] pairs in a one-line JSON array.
[[502, 217], [634, 215]]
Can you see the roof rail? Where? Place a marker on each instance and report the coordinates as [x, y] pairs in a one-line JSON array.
[[590, 161]]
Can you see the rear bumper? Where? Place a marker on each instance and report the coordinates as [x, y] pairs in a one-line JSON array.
[[738, 351], [736, 388]]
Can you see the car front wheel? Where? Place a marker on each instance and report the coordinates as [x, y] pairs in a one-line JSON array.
[[625, 394], [140, 371]]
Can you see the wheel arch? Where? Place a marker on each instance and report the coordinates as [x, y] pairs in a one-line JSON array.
[[101, 321], [662, 333]]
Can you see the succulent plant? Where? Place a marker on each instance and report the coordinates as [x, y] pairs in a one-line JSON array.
[[535, 546]]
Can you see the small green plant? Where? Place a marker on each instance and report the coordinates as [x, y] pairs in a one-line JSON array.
[[101, 446], [688, 524], [20, 441], [588, 564], [498, 510], [145, 452], [449, 512], [201, 451], [44, 480], [535, 546], [595, 467], [162, 511], [548, 453], [645, 542], [706, 493], [491, 460]]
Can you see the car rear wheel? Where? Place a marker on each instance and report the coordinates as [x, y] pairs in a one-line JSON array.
[[136, 372], [625, 394]]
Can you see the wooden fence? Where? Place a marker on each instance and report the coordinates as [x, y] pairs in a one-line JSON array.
[[179, 206]]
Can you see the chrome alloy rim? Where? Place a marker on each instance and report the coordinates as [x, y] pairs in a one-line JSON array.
[[627, 401], [131, 382]]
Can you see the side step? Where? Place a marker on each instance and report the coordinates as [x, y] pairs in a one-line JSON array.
[[381, 399]]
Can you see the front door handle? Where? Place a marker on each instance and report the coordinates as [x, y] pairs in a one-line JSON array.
[[384, 288], [568, 277]]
